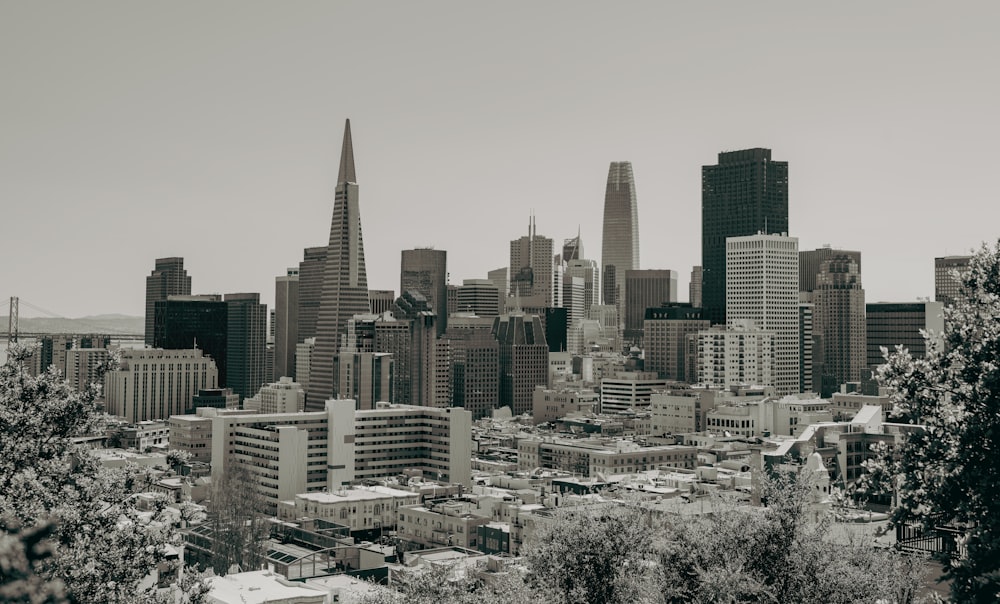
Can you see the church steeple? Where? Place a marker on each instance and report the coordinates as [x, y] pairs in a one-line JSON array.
[[346, 173]]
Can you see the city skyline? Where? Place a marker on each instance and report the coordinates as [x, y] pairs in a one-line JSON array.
[[122, 148]]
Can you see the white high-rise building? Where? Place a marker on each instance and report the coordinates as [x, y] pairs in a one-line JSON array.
[[762, 285], [153, 383], [737, 355], [283, 396]]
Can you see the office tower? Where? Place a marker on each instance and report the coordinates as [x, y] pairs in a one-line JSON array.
[[452, 297], [524, 359], [283, 396], [810, 261], [216, 398], [740, 354], [555, 325], [286, 323], [365, 377], [531, 268], [762, 285], [620, 242], [810, 358], [839, 320], [574, 299], [745, 193], [475, 365], [425, 270], [694, 287], [665, 338], [413, 309], [167, 279], [303, 361], [479, 297], [345, 282], [245, 348], [499, 278], [948, 272], [381, 300], [899, 323], [153, 384], [645, 289], [572, 248], [202, 322], [310, 290], [591, 275], [607, 317]]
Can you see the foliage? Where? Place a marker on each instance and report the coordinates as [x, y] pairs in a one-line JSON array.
[[948, 473], [439, 585], [22, 553], [239, 528], [99, 546]]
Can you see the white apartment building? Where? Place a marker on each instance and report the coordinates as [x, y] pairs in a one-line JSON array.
[[283, 396], [592, 456], [787, 416], [629, 390], [736, 355], [762, 285], [442, 523], [153, 384]]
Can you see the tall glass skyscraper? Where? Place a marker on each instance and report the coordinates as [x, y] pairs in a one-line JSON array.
[[345, 282], [620, 242], [745, 193]]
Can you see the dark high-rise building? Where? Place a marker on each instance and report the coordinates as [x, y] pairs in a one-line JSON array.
[[246, 335], [555, 325], [646, 289], [381, 300], [694, 287], [167, 279], [475, 365], [310, 290], [524, 359], [665, 339], [425, 270], [620, 242], [231, 331], [745, 193], [892, 324], [947, 278], [202, 322], [286, 323], [345, 282], [572, 248]]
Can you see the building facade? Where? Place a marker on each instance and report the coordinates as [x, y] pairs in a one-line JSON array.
[[666, 329], [644, 289], [948, 272], [286, 323], [167, 279], [153, 384], [523, 359], [745, 193], [891, 324], [425, 270]]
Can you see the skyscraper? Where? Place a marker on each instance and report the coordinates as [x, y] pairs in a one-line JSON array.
[[762, 286], [620, 242], [286, 323], [310, 290], [644, 289], [947, 281], [745, 193], [531, 265], [523, 361], [839, 320], [246, 335], [425, 270], [345, 282], [167, 279]]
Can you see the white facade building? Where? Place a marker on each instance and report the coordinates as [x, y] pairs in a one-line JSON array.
[[153, 384], [762, 285], [738, 355], [283, 396]]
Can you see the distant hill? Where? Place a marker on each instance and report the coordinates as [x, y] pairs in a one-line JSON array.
[[106, 324]]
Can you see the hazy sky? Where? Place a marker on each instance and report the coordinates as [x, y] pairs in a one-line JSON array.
[[212, 130]]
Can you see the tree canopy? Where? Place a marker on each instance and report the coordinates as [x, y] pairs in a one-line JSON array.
[[73, 529], [949, 473]]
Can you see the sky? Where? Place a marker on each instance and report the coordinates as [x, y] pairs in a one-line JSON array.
[[212, 131]]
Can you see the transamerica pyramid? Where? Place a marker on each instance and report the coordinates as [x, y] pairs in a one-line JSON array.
[[345, 284]]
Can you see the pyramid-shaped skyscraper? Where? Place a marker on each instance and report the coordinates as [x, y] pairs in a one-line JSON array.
[[345, 284]]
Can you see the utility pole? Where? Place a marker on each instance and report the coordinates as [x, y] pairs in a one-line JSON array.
[[12, 321]]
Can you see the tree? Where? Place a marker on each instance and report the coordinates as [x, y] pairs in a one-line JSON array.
[[239, 528], [948, 473], [96, 544]]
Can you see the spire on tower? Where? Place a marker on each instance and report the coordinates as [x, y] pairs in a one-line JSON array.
[[347, 158]]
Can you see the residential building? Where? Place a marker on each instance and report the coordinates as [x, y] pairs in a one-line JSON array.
[[594, 457], [442, 523], [762, 285], [167, 279], [283, 396], [364, 509], [741, 354], [83, 366], [550, 404], [745, 193]]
